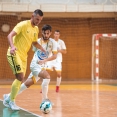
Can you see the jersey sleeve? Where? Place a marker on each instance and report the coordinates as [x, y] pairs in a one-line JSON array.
[[33, 47], [63, 46], [54, 49], [18, 27]]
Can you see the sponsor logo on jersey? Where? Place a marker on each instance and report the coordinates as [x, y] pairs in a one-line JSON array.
[[42, 55]]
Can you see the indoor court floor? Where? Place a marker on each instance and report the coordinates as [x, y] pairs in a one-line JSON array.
[[73, 100]]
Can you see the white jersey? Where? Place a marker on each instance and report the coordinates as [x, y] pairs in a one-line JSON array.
[[49, 46], [60, 45]]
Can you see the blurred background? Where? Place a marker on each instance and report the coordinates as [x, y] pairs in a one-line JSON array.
[[77, 21]]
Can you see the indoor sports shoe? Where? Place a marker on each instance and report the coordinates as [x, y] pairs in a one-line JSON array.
[[57, 88], [6, 100], [13, 106]]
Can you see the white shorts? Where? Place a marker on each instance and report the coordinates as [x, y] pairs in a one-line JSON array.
[[54, 64], [35, 79], [35, 70]]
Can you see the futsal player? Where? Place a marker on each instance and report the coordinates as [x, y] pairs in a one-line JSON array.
[[38, 63], [20, 39], [57, 63]]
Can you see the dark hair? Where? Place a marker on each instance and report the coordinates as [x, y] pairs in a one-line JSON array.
[[57, 31], [46, 27], [39, 12]]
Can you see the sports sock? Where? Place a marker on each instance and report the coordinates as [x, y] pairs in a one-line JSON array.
[[58, 81], [44, 85], [14, 89], [22, 88]]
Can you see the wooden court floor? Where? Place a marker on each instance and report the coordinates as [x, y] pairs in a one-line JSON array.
[[73, 100]]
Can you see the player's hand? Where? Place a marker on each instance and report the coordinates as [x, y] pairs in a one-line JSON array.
[[12, 50], [42, 49], [40, 62]]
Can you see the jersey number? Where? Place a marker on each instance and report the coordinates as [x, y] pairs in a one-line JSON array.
[[18, 67]]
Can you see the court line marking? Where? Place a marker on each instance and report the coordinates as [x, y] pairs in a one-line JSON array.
[[28, 111]]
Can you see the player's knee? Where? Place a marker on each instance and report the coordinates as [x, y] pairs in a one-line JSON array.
[[44, 74], [47, 76], [58, 75], [20, 77]]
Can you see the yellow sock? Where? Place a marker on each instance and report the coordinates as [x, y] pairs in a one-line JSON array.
[[14, 89]]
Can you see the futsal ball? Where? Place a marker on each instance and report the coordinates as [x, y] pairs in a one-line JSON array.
[[46, 107]]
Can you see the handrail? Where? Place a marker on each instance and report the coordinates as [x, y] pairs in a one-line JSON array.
[[103, 7], [74, 2]]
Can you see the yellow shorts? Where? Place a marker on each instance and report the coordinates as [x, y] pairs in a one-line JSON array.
[[17, 64]]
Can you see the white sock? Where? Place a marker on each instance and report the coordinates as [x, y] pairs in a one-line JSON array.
[[58, 81], [22, 88], [44, 86]]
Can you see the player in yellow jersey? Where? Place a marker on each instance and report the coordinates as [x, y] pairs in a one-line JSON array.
[[20, 39], [39, 61]]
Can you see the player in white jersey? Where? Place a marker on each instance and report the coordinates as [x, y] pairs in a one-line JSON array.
[[39, 62], [57, 63]]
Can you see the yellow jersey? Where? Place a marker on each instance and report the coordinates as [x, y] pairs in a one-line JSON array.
[[26, 34]]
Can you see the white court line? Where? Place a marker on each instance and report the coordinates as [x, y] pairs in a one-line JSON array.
[[28, 111], [95, 98]]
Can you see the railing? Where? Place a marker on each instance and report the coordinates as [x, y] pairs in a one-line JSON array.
[[59, 5], [72, 2]]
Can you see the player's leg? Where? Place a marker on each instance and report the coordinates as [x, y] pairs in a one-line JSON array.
[[58, 69], [58, 81], [45, 83], [39, 72], [32, 78], [9, 99], [16, 65], [14, 90], [46, 80], [30, 81], [49, 68], [24, 67]]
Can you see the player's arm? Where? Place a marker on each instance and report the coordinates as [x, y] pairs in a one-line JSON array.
[[63, 51], [37, 45], [52, 57], [10, 40], [49, 58], [63, 48]]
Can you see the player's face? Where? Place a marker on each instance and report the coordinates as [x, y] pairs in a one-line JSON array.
[[36, 19], [56, 35], [46, 34]]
